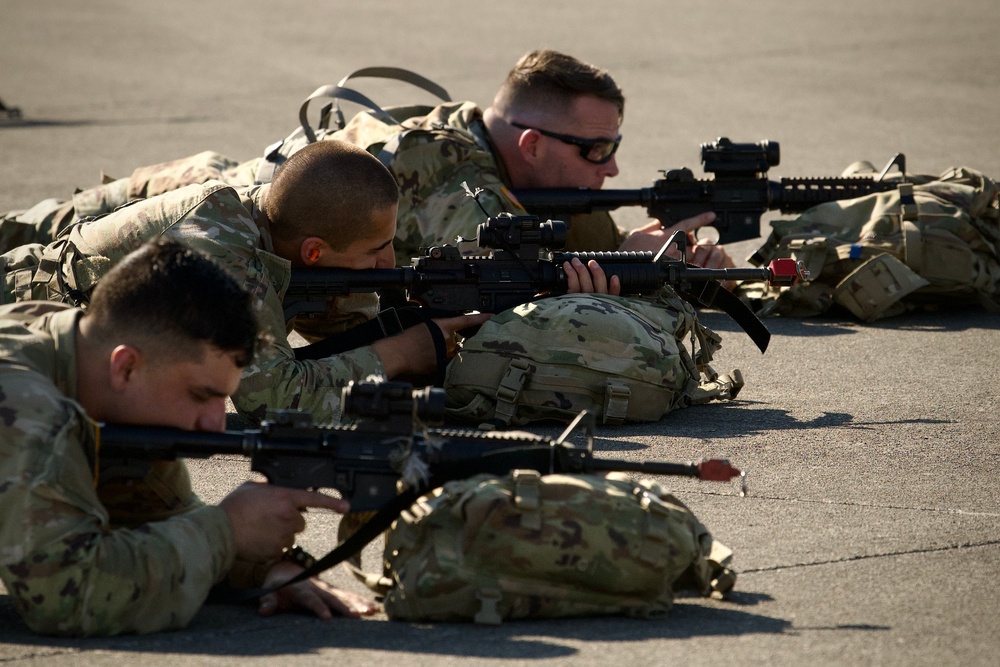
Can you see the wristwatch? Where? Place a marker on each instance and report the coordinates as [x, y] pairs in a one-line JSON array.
[[299, 556]]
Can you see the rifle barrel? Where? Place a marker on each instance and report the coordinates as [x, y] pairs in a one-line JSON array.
[[162, 442], [546, 201]]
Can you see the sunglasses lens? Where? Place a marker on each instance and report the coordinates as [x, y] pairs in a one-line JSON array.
[[601, 151]]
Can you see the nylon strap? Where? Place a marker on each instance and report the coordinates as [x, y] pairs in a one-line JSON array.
[[388, 322], [340, 92], [711, 294]]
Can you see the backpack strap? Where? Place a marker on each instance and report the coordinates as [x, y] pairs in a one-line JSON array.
[[509, 391], [341, 92], [306, 134], [913, 248]]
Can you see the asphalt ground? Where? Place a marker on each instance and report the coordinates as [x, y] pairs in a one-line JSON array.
[[871, 532]]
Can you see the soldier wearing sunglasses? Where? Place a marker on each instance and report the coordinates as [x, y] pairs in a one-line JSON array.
[[554, 123]]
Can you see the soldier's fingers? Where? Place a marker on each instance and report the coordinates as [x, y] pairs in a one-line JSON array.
[[711, 257], [615, 286], [583, 275], [303, 499], [598, 277], [649, 227], [450, 325], [577, 277], [347, 603], [691, 224], [267, 604], [572, 279]]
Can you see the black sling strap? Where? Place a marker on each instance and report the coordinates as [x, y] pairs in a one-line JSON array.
[[387, 323]]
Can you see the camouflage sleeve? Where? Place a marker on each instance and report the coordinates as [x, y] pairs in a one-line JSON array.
[[67, 569], [277, 380], [39, 224], [593, 232], [439, 210]]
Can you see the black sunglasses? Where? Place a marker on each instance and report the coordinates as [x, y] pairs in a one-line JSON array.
[[597, 151]]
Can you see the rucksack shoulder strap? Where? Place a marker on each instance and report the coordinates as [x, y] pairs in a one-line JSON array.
[[341, 92]]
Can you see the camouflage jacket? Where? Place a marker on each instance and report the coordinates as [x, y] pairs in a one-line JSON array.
[[223, 223], [435, 155], [130, 553], [44, 221]]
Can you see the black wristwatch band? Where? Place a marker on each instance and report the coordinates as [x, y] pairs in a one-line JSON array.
[[299, 556]]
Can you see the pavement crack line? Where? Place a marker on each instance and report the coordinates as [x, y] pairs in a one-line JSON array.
[[888, 554], [851, 503]]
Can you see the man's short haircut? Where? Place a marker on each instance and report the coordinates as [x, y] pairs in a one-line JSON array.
[[551, 81], [166, 296], [329, 189]]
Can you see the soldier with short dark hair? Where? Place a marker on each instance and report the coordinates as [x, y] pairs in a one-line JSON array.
[[88, 547], [554, 122], [330, 205]]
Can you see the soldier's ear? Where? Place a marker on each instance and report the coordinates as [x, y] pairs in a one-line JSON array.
[[124, 361], [311, 250], [529, 144]]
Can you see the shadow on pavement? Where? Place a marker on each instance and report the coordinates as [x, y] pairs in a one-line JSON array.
[[734, 420], [943, 318], [22, 122], [237, 631]]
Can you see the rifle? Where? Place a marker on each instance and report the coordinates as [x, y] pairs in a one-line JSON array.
[[519, 266], [387, 458], [388, 442], [739, 194]]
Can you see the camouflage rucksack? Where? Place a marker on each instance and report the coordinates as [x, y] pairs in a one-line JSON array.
[[933, 240], [525, 545], [619, 358]]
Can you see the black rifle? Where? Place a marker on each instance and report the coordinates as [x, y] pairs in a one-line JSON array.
[[388, 442], [519, 267], [387, 447], [739, 194]]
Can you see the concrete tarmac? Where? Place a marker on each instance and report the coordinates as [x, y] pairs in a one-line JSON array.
[[871, 535]]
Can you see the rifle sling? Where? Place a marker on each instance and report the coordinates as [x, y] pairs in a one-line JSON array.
[[386, 323], [352, 545], [712, 294]]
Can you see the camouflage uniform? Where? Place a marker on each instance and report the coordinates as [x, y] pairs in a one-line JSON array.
[[130, 553], [435, 155], [224, 224], [44, 221]]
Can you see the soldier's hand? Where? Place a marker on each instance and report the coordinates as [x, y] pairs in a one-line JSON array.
[[265, 518], [589, 278], [652, 236], [711, 256], [313, 595]]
